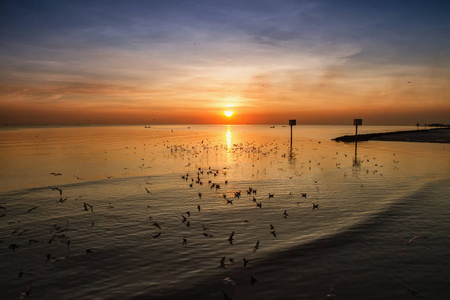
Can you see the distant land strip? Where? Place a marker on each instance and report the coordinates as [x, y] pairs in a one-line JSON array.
[[435, 135]]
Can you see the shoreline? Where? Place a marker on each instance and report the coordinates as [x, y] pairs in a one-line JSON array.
[[435, 135]]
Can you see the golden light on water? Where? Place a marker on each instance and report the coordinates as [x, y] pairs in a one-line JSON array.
[[228, 139]]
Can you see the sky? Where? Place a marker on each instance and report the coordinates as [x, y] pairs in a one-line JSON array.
[[186, 62]]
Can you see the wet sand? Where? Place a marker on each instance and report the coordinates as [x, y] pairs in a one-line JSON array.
[[436, 135]]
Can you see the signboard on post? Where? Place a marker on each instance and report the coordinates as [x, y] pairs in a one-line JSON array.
[[357, 122], [292, 123]]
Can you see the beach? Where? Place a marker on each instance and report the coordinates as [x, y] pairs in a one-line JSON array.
[[436, 135], [171, 212]]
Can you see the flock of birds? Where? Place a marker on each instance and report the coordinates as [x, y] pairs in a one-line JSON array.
[[200, 177]]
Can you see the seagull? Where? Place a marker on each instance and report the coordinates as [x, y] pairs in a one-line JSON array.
[[229, 281], [13, 247], [332, 293], [32, 242], [56, 189], [90, 206], [156, 225], [52, 238], [246, 261], [55, 174], [304, 195], [272, 230], [271, 195], [230, 239], [77, 177], [156, 235], [259, 204], [31, 209], [21, 273], [315, 206], [198, 207], [285, 214], [49, 256], [147, 190], [414, 293], [184, 242], [229, 201], [415, 238], [222, 263], [253, 280], [58, 259], [27, 292], [256, 246]]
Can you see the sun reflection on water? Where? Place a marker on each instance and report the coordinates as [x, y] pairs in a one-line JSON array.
[[228, 136]]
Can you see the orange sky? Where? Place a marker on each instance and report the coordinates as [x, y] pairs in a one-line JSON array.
[[266, 63]]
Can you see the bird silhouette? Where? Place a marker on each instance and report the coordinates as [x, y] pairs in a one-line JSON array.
[[272, 230], [230, 239], [256, 246], [222, 263], [415, 238], [246, 261], [27, 291]]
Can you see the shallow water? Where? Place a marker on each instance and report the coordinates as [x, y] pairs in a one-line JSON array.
[[355, 242]]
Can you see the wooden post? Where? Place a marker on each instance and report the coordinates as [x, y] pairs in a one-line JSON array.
[[292, 123], [356, 122]]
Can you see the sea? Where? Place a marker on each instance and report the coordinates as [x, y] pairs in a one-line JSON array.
[[221, 212]]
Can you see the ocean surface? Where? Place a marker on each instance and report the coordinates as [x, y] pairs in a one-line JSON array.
[[165, 213]]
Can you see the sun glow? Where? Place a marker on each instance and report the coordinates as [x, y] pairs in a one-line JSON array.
[[228, 113]]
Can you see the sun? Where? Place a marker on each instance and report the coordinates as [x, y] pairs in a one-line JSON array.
[[228, 113]]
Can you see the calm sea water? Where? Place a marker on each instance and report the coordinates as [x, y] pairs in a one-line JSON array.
[[136, 178]]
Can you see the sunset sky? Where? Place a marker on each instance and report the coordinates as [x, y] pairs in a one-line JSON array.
[[186, 62]]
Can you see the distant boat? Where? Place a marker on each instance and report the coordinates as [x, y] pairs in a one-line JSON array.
[[148, 127], [272, 126]]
